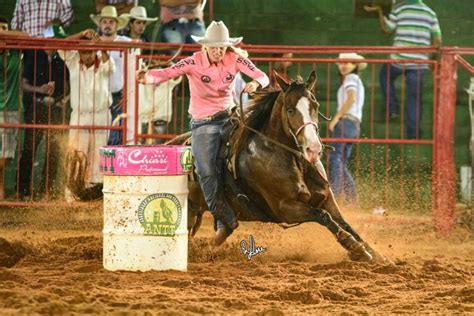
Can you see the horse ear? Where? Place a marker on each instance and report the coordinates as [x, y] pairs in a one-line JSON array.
[[281, 81], [311, 82]]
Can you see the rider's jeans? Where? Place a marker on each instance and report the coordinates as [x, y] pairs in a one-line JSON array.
[[340, 177], [205, 146]]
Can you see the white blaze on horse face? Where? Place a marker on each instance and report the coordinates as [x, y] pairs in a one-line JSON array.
[[311, 144]]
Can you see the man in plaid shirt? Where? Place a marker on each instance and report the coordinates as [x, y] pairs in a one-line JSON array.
[[34, 17]]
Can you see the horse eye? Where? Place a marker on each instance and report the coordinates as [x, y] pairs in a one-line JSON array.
[[290, 110]]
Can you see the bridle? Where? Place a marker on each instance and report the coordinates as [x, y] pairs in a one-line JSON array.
[[298, 153]]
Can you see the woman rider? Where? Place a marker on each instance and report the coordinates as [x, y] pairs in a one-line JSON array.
[[211, 73]]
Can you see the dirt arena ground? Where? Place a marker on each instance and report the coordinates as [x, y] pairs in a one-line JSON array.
[[303, 271]]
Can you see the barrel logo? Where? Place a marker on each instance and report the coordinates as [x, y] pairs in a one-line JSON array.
[[160, 214], [186, 159]]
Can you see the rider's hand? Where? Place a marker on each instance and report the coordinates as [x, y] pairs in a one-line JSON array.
[[251, 87]]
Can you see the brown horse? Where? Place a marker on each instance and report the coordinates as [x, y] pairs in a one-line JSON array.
[[277, 175]]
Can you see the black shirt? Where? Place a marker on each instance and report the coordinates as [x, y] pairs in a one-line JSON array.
[[38, 70]]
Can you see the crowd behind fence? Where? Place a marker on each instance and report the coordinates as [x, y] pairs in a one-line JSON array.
[[391, 169]]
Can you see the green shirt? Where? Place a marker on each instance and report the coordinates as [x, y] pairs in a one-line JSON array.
[[10, 80]]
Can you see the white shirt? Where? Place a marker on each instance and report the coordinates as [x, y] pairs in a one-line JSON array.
[[352, 82], [116, 78], [85, 80]]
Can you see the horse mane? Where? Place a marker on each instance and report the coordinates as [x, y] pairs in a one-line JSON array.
[[257, 115]]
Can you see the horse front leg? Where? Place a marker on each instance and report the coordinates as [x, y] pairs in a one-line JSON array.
[[331, 206], [301, 213]]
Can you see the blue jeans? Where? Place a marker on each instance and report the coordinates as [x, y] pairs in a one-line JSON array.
[[206, 139], [340, 177], [414, 91], [180, 33], [115, 136]]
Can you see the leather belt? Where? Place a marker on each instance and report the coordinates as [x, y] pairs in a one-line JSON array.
[[221, 115]]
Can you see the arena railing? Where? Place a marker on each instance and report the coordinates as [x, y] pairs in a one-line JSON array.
[[427, 182]]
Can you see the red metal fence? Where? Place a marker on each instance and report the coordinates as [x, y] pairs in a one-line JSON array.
[[391, 171]]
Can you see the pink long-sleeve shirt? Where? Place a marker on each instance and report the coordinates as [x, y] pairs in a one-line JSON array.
[[211, 85]]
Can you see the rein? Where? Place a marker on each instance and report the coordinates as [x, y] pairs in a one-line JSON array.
[[265, 137]]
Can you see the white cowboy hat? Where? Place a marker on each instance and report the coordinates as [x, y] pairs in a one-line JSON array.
[[139, 13], [109, 11], [217, 35], [353, 56]]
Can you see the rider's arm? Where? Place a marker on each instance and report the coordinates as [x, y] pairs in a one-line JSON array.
[[156, 76], [246, 66]]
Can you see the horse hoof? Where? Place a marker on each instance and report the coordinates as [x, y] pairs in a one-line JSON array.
[[361, 254], [377, 257]]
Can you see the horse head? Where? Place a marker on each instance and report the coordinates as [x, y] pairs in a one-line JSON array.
[[299, 113]]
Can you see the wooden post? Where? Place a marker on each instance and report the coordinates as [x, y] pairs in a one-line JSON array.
[[444, 170]]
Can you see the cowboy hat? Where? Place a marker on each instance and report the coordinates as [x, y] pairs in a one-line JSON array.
[[217, 35], [361, 66], [109, 11], [139, 13]]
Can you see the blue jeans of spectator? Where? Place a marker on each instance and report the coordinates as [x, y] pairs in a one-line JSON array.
[[414, 79], [115, 136], [342, 182], [180, 32], [206, 139]]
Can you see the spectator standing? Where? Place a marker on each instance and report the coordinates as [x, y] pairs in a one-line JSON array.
[[37, 17], [10, 64], [45, 96], [180, 19], [211, 73], [413, 23], [346, 124], [138, 21], [155, 102], [90, 102], [109, 23]]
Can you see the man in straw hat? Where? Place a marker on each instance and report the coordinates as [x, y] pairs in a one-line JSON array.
[[346, 124], [109, 23], [138, 20], [211, 73]]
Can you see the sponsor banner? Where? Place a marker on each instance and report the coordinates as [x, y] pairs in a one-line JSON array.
[[145, 160]]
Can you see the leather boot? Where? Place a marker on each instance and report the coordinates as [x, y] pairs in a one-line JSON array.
[[223, 232]]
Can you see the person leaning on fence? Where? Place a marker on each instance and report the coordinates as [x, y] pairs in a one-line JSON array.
[[37, 17], [413, 23], [45, 101], [109, 23], [346, 124], [90, 102], [10, 103], [211, 73]]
